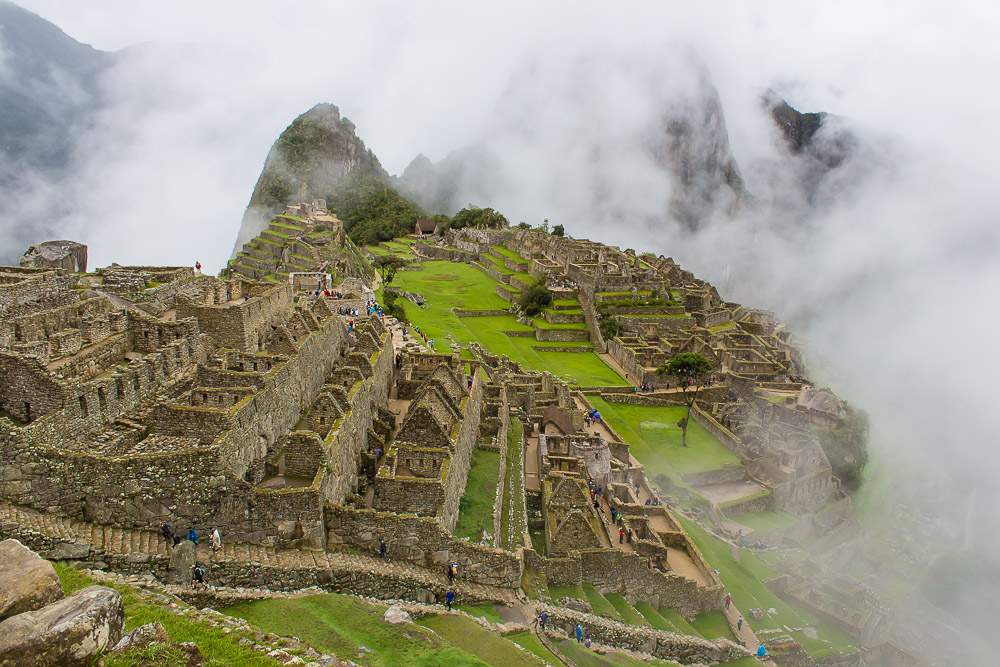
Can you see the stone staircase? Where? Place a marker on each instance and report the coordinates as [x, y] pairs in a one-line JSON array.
[[236, 564]]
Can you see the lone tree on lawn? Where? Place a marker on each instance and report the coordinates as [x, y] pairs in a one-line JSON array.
[[387, 265], [687, 366]]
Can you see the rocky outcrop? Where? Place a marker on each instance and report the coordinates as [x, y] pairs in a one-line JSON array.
[[182, 560], [27, 582], [310, 158], [140, 637], [70, 632], [68, 255]]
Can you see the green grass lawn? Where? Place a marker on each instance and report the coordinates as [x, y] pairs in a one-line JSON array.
[[469, 636], [743, 578], [507, 253], [542, 324], [628, 613], [559, 592], [655, 439], [485, 610], [712, 624], [588, 657], [218, 647], [340, 624], [489, 261], [599, 604], [529, 641], [671, 616], [476, 508], [763, 522], [448, 285]]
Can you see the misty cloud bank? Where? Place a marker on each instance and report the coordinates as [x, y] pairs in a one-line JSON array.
[[889, 267]]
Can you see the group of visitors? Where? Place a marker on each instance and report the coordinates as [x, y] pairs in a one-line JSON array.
[[423, 336], [333, 294], [592, 417], [173, 539], [351, 312], [645, 387]]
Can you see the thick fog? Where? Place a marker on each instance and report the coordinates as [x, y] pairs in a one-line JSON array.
[[891, 274]]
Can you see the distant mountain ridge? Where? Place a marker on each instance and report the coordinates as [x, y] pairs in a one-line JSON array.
[[49, 94]]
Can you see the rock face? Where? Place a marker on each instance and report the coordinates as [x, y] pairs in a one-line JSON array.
[[27, 582], [140, 637], [68, 255], [618, 123], [182, 559], [310, 158], [70, 632]]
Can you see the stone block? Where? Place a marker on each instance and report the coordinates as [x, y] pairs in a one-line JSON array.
[[71, 632], [27, 582], [182, 559]]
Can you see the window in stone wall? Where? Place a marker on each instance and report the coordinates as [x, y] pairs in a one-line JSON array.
[[102, 399], [83, 405]]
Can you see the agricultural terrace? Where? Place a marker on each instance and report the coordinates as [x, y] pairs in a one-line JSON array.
[[448, 285]]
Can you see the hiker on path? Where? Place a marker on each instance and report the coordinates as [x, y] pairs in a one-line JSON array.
[[761, 651], [621, 536], [215, 539], [452, 573], [176, 538], [198, 577], [165, 529], [586, 642], [449, 598], [739, 624], [729, 599], [579, 632], [382, 549], [542, 619], [193, 536]]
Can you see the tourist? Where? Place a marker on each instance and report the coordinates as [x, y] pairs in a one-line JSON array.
[[198, 577], [621, 536], [739, 624], [193, 536], [215, 539], [165, 529], [542, 619], [628, 537], [449, 598], [586, 642], [729, 599], [382, 549], [176, 538], [197, 266], [579, 632], [452, 572], [761, 651]]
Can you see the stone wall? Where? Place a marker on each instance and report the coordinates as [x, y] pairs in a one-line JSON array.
[[561, 335], [617, 571], [732, 473], [424, 541], [243, 326], [658, 643]]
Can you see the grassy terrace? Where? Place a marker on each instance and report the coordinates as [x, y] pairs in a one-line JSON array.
[[448, 285], [496, 263], [339, 624], [507, 253], [655, 439], [542, 324], [743, 578], [218, 647], [476, 508]]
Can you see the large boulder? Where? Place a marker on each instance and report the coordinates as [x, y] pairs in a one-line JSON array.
[[68, 255], [182, 560], [27, 582], [71, 632]]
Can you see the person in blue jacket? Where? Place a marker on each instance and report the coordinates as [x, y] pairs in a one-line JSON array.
[[193, 536], [761, 651], [579, 632]]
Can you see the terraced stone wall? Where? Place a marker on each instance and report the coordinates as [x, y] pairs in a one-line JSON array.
[[424, 541]]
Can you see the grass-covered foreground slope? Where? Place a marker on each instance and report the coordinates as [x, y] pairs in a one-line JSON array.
[[353, 629]]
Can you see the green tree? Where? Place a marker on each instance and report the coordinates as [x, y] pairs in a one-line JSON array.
[[523, 225], [558, 230], [690, 369], [387, 265], [536, 298], [473, 216]]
